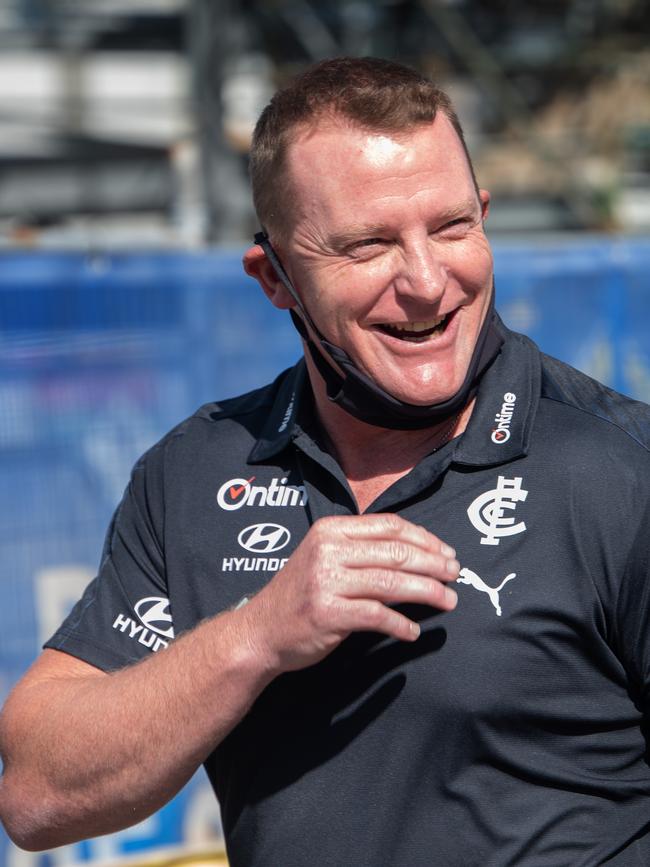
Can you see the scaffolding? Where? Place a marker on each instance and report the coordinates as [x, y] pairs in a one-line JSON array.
[[128, 123]]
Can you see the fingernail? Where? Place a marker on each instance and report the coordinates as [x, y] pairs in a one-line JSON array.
[[453, 566], [415, 630], [447, 550], [451, 597]]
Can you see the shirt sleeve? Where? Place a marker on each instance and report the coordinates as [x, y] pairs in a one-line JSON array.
[[633, 614], [124, 614]]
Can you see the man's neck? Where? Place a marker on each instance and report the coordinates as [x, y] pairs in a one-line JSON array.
[[371, 457]]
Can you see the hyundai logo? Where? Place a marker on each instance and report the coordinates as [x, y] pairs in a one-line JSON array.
[[264, 538], [154, 613]]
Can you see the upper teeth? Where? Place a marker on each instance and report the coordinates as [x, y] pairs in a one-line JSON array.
[[417, 326]]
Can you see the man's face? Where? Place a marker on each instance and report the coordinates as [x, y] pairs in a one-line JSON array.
[[387, 251]]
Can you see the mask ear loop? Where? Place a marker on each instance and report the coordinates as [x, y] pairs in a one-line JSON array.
[[262, 239], [301, 322]]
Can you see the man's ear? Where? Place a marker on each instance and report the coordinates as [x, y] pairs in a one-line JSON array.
[[258, 266], [484, 197]]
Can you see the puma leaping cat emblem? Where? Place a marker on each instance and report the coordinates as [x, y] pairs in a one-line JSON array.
[[468, 577]]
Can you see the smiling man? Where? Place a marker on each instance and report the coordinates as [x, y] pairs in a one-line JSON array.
[[388, 248], [275, 598]]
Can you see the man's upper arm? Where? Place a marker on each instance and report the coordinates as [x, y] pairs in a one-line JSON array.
[[53, 664], [28, 695], [124, 614]]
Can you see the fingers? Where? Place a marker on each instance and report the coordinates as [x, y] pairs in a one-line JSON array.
[[392, 588], [371, 616], [349, 574], [387, 559], [384, 526], [398, 555]]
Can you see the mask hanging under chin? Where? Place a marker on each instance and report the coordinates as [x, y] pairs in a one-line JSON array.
[[363, 398]]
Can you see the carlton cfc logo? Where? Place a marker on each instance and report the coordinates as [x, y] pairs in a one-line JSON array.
[[488, 511]]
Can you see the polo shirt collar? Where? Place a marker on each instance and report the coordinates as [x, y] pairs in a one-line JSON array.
[[500, 426], [499, 429], [280, 427]]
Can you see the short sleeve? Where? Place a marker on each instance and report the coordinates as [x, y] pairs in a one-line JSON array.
[[124, 614], [633, 614]]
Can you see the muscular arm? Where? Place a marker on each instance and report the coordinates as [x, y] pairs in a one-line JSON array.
[[86, 753]]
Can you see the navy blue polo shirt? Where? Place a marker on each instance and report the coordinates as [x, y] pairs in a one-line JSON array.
[[512, 731]]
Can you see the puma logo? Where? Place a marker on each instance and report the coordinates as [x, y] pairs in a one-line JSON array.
[[468, 577]]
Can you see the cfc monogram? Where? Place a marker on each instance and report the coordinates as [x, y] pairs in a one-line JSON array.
[[487, 511]]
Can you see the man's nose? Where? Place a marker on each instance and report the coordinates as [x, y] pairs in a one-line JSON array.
[[422, 272]]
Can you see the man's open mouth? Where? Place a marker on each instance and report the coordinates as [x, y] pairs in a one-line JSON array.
[[415, 332]]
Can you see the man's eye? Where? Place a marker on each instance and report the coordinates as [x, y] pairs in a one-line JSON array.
[[366, 247], [459, 222]]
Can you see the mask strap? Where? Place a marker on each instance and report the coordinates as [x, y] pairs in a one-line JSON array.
[[262, 239]]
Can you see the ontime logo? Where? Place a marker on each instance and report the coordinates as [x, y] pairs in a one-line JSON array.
[[236, 493], [501, 433]]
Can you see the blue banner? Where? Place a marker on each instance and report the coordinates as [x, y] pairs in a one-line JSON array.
[[101, 354]]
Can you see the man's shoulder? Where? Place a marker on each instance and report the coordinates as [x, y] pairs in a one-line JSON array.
[[255, 403], [599, 407], [232, 424]]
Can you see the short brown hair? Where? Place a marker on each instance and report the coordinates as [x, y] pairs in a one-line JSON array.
[[371, 93]]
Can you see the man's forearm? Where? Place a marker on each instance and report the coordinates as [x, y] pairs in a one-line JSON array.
[[87, 753], [91, 753]]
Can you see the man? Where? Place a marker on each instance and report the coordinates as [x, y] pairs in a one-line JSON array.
[[351, 706]]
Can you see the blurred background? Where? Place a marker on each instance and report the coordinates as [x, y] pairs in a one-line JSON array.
[[124, 210]]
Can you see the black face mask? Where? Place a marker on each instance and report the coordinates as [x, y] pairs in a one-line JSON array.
[[357, 394]]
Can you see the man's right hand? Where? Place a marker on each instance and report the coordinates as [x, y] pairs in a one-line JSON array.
[[344, 577], [74, 740]]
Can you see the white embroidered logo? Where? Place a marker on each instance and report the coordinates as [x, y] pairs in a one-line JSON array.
[[487, 511], [287, 414], [501, 433], [468, 577], [264, 538]]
